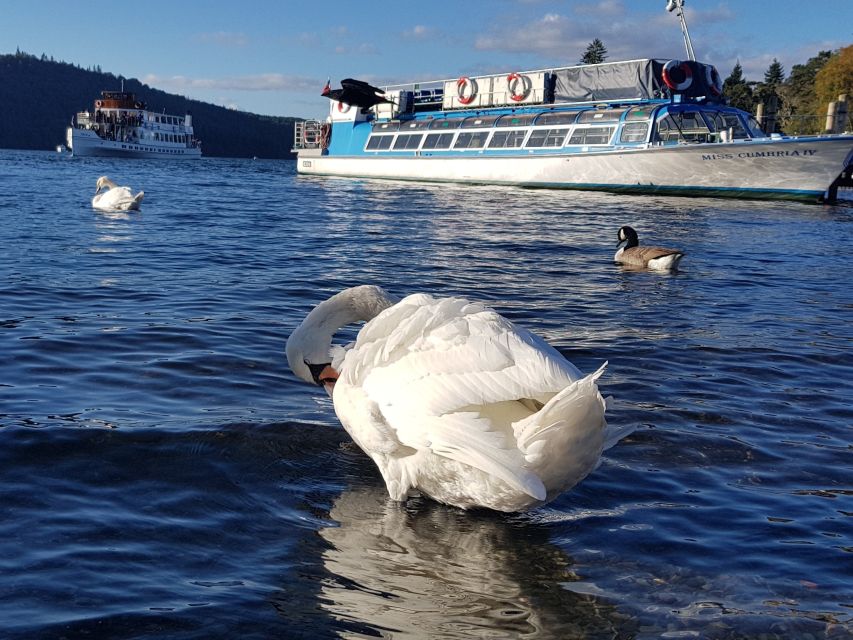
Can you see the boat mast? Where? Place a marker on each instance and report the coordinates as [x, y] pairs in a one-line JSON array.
[[678, 7]]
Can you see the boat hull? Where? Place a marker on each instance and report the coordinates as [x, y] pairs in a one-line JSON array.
[[788, 168], [86, 143]]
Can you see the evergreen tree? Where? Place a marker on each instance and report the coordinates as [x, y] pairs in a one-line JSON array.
[[737, 91], [595, 53], [775, 74]]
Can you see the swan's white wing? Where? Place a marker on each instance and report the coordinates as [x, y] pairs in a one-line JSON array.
[[115, 198], [425, 366]]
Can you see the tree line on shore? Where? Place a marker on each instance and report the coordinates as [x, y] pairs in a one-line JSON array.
[[40, 96], [802, 97]]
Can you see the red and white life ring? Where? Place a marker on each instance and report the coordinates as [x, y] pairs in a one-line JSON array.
[[343, 107], [98, 104], [462, 85], [714, 81], [517, 81], [677, 75]]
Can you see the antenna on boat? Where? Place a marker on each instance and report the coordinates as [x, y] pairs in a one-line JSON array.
[[678, 7]]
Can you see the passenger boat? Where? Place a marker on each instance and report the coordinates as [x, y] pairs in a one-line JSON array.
[[119, 125], [641, 126]]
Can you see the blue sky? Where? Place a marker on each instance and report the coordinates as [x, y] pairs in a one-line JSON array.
[[273, 57]]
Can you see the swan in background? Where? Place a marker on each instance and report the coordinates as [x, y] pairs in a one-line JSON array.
[[634, 255], [452, 400], [115, 198]]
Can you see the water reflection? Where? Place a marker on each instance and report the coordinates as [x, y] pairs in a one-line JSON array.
[[427, 571]]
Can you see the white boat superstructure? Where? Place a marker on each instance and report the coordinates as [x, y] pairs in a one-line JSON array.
[[119, 125]]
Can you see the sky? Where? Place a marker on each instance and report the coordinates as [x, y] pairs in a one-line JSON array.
[[273, 56]]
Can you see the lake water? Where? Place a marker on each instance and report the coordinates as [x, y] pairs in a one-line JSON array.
[[163, 475]]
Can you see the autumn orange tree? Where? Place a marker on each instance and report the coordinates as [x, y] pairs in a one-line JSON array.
[[835, 79]]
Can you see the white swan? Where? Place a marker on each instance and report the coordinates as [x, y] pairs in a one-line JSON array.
[[452, 400], [633, 255], [115, 198]]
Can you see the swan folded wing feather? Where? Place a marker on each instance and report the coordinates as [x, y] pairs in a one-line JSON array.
[[469, 439]]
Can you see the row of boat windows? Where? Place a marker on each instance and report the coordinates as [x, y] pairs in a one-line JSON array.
[[680, 126], [508, 139], [136, 148], [166, 137], [548, 118]]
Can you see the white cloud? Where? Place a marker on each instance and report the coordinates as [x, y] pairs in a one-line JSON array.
[[418, 32]]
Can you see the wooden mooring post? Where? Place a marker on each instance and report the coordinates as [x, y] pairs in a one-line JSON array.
[[836, 115]]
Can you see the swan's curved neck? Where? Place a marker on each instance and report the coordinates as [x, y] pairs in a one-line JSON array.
[[311, 340]]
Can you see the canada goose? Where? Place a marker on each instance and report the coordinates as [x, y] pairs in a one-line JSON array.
[[452, 400], [634, 255]]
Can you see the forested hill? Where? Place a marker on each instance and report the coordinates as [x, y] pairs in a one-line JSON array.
[[39, 97]]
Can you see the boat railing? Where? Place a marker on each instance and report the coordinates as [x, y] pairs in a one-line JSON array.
[[309, 134]]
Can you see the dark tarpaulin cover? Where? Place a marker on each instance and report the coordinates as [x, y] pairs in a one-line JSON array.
[[632, 80]]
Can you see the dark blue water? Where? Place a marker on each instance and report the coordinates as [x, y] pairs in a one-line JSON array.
[[163, 475]]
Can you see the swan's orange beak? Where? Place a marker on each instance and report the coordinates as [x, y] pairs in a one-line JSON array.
[[328, 376]]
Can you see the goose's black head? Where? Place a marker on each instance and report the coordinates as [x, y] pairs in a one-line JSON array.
[[628, 236]]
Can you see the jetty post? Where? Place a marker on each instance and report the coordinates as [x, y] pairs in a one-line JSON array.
[[836, 115]]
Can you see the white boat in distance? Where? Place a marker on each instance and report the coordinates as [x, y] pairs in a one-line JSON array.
[[121, 126], [639, 126]]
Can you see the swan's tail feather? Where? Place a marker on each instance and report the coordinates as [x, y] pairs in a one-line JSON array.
[[563, 441]]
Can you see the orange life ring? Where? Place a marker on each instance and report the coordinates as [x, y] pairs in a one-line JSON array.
[[525, 83], [461, 85], [343, 107], [683, 75], [98, 104], [715, 83]]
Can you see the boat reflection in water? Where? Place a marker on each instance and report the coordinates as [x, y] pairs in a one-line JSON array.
[[425, 570]]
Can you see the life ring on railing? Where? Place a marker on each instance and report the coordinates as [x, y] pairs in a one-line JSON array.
[[98, 104], [343, 107], [137, 105], [518, 80], [461, 85], [677, 75], [715, 83]]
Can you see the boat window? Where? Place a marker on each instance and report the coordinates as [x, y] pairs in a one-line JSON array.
[[414, 125], [591, 135], [683, 126], [512, 138], [408, 141], [547, 137], [721, 121], [379, 143], [513, 120], [438, 141], [471, 140], [755, 128], [478, 121], [391, 125], [634, 132], [446, 123], [559, 117], [600, 115], [639, 113]]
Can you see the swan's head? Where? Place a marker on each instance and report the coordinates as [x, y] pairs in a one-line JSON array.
[[309, 348], [104, 181], [628, 235]]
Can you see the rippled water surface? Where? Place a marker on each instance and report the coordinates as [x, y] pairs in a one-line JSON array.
[[163, 475]]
